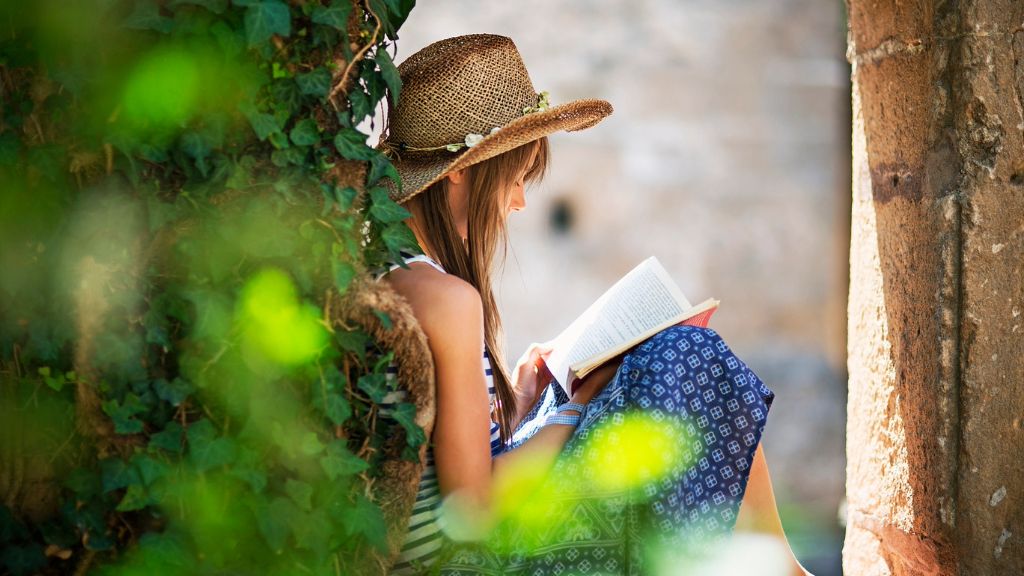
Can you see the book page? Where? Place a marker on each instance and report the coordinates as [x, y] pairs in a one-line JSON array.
[[640, 301]]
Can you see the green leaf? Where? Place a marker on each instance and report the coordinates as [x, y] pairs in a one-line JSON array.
[[351, 144], [336, 15], [55, 383], [116, 474], [262, 124], [340, 462], [366, 519], [146, 16], [354, 341], [384, 209], [171, 438], [150, 469], [206, 450], [300, 492], [316, 83], [135, 498], [124, 414], [275, 522], [22, 559], [337, 409], [256, 479], [344, 273], [381, 167], [264, 19], [84, 483], [390, 73], [374, 385], [175, 392], [215, 6], [311, 444], [385, 319], [279, 140], [305, 133], [397, 236], [405, 414]]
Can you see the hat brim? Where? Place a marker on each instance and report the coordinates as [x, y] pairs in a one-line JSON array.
[[419, 172]]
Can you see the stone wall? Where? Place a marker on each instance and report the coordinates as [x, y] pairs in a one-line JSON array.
[[727, 158], [936, 345]]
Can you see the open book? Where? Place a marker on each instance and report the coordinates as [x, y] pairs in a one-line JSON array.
[[641, 304]]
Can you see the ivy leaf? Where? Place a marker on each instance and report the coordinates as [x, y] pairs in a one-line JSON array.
[[400, 10], [84, 483], [215, 6], [366, 519], [124, 414], [206, 449], [256, 479], [150, 469], [316, 83], [337, 409], [169, 439], [264, 19], [117, 474], [374, 385], [175, 392], [336, 15], [305, 133], [311, 444], [390, 73], [351, 144], [381, 167], [344, 273], [262, 124], [405, 414], [22, 559], [385, 319], [354, 341], [397, 236], [384, 209], [300, 492], [146, 16], [275, 522], [340, 462], [135, 498]]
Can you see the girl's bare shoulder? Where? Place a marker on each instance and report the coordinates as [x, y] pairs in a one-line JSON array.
[[438, 300]]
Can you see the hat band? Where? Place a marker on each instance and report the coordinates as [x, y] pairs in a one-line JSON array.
[[394, 150]]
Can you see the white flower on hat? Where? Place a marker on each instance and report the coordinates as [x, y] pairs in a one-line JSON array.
[[495, 129], [473, 139]]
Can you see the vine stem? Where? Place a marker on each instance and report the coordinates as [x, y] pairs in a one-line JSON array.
[[355, 59]]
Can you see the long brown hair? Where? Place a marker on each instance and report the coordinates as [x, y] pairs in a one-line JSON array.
[[490, 185]]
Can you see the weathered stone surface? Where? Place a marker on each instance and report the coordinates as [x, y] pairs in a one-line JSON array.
[[935, 360]]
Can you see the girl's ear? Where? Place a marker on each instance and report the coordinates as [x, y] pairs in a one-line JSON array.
[[456, 176]]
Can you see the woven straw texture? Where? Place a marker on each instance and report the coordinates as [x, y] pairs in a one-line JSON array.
[[469, 85]]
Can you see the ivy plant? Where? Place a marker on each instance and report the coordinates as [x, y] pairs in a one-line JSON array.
[[183, 182]]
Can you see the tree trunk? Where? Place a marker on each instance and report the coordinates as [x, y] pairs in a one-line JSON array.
[[936, 334]]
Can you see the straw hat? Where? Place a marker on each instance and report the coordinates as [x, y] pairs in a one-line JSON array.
[[467, 99]]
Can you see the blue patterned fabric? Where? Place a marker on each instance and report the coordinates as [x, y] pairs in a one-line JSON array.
[[684, 376]]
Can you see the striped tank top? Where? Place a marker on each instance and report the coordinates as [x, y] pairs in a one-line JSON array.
[[423, 538]]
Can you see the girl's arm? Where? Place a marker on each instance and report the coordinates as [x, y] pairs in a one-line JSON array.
[[451, 314]]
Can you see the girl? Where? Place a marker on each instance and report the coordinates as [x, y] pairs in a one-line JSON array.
[[466, 135]]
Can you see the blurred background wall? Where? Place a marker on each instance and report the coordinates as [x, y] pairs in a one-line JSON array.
[[727, 157]]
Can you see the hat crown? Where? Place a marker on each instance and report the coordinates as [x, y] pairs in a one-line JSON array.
[[458, 86]]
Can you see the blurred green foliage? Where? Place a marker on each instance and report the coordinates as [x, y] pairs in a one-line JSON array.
[[182, 182]]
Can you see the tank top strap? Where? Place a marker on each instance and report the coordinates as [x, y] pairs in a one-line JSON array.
[[409, 258]]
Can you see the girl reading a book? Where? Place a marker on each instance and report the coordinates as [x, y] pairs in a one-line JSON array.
[[512, 453]]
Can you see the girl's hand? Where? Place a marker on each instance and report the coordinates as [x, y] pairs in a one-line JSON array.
[[584, 390], [531, 376]]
